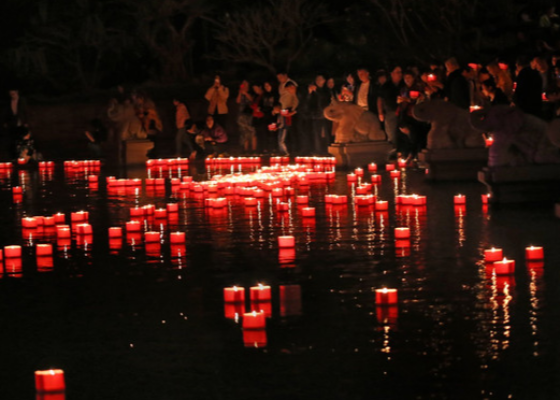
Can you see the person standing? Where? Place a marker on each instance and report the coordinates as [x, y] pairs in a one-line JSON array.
[[365, 94], [457, 90], [318, 98], [290, 102], [217, 96], [283, 80], [269, 99], [259, 120], [16, 117], [528, 91], [387, 103], [182, 117], [247, 134]]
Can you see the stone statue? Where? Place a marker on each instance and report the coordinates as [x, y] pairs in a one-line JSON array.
[[519, 138], [354, 123], [450, 125], [127, 125]]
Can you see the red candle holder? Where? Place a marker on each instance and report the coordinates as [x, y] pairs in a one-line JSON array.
[[485, 198], [29, 223], [504, 267], [260, 293], [84, 229], [493, 255], [133, 226], [286, 242], [402, 233], [172, 207], [351, 178], [152, 237], [372, 167], [302, 199], [177, 238], [59, 218], [254, 320], [234, 294], [376, 179], [395, 174], [12, 251], [534, 253], [386, 297], [63, 232], [250, 201], [489, 141], [79, 216], [115, 232], [50, 381], [459, 199], [42, 250], [381, 205], [308, 212], [389, 167], [160, 213]]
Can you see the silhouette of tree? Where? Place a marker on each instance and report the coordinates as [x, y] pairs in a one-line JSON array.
[[268, 34], [164, 26]]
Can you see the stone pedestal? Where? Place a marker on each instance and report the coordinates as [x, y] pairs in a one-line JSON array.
[[453, 164], [535, 183], [135, 152], [353, 155]]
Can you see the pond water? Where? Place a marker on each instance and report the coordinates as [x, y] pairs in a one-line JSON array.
[[127, 322]]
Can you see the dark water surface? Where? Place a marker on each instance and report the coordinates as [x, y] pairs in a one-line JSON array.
[[126, 326]]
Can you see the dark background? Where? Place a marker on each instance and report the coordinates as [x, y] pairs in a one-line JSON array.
[[56, 47]]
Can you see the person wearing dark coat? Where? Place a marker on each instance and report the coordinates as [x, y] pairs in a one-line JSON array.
[[457, 89], [528, 90]]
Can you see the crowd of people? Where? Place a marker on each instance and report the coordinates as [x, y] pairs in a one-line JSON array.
[[281, 117], [278, 116]]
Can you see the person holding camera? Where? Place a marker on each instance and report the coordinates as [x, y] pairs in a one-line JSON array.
[[217, 96]]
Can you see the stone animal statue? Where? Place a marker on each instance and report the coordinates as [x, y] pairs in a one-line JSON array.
[[519, 138], [127, 125], [450, 125], [354, 123]]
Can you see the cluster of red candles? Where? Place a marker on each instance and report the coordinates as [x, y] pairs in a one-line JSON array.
[[253, 318], [500, 265]]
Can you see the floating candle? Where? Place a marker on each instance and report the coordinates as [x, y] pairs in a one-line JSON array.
[[493, 255], [254, 320], [234, 294], [386, 297], [286, 241], [459, 199], [534, 253], [402, 233], [504, 267], [260, 293], [49, 381], [12, 251]]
